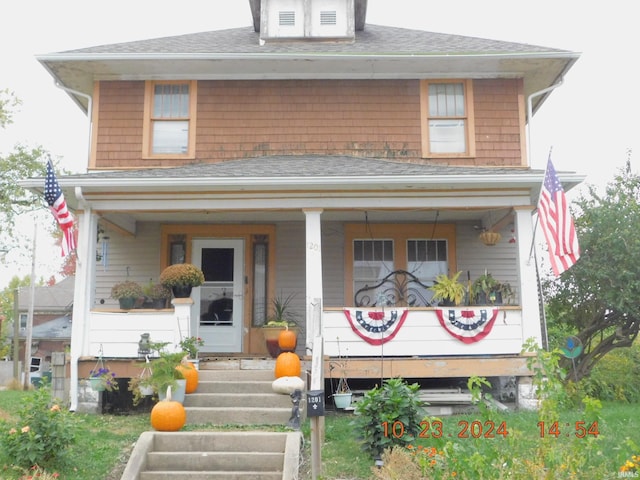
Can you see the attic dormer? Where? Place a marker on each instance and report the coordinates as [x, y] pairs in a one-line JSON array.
[[278, 20]]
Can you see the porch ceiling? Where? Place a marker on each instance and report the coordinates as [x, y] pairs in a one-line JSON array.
[[425, 215]]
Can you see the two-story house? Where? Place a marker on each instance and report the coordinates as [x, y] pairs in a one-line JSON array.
[[312, 154]]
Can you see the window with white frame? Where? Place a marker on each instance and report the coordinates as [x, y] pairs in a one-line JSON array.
[[170, 119], [375, 251], [447, 119], [372, 261]]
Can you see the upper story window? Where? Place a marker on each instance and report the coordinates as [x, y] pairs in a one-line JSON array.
[[447, 118], [170, 112]]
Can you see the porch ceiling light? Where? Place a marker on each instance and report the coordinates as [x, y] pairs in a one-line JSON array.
[[490, 238]]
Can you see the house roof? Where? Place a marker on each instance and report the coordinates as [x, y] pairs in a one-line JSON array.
[[58, 328], [57, 297], [277, 186], [377, 52], [308, 171]]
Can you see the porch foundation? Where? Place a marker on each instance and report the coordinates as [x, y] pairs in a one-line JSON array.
[[527, 398]]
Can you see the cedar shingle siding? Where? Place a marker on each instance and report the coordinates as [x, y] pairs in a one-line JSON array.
[[364, 118]]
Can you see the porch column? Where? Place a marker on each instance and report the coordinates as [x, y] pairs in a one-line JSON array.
[[313, 255], [83, 295], [528, 277]]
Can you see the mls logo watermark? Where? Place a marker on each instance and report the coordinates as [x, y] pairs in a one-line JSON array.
[[628, 474]]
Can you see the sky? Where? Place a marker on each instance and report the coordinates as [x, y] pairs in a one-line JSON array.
[[590, 122]]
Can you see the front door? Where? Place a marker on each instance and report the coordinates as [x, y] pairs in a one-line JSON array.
[[218, 302]]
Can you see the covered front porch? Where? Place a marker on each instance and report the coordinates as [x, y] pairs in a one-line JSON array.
[[317, 238]]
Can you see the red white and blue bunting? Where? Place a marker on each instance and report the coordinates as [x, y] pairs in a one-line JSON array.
[[376, 327], [468, 326]]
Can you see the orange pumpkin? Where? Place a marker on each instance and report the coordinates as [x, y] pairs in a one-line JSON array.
[[287, 340], [190, 374], [287, 365], [168, 415]]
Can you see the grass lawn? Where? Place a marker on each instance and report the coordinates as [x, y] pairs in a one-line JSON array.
[[104, 443]]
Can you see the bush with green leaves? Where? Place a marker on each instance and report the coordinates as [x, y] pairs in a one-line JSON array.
[[42, 434], [389, 415], [616, 377]]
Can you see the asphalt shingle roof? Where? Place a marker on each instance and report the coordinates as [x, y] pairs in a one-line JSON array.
[[304, 166], [373, 40]]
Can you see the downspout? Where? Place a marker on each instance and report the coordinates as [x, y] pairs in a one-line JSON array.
[[545, 339], [80, 303]]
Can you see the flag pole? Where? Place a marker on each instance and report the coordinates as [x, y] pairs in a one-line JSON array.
[[535, 225], [29, 330]]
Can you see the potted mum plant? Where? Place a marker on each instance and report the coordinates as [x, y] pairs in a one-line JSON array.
[[156, 295], [127, 293], [181, 278]]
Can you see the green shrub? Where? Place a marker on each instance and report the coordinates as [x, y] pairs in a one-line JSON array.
[[616, 376], [41, 435], [389, 415]]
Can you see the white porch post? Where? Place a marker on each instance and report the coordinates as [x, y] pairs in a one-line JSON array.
[[313, 255], [528, 278], [83, 295]]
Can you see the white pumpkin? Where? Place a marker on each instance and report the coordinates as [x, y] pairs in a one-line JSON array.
[[287, 385]]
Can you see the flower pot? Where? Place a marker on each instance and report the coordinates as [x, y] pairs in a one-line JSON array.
[[178, 393], [146, 391], [342, 400], [97, 384], [271, 335], [181, 291], [127, 303]]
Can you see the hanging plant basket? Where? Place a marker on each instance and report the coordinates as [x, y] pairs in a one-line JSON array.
[[97, 384], [490, 238]]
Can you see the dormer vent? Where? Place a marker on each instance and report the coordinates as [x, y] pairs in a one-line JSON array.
[[287, 18], [328, 17], [307, 19]]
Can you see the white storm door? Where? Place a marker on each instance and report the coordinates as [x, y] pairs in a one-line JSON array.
[[218, 302]]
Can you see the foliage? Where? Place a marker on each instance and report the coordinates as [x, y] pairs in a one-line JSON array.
[[616, 376], [7, 298], [42, 434], [164, 372], [182, 274], [191, 346], [598, 296], [126, 289], [106, 377], [448, 288], [490, 287], [395, 402], [20, 164], [8, 101], [411, 463], [156, 291], [281, 314]]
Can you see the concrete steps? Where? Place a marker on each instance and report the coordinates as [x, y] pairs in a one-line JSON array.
[[228, 455], [241, 397], [224, 397]]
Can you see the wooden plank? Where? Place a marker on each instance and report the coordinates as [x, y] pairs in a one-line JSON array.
[[437, 367]]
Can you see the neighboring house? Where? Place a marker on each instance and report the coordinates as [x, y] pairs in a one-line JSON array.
[[52, 314], [311, 154]]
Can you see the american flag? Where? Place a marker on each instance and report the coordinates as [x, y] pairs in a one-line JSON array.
[[557, 224], [55, 198]]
